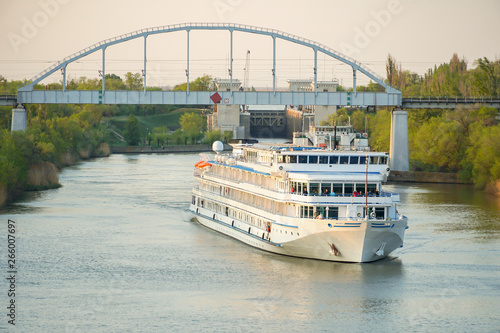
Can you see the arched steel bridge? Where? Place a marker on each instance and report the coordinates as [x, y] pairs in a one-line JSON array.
[[391, 96]]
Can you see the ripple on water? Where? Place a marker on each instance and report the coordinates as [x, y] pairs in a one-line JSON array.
[[115, 249]]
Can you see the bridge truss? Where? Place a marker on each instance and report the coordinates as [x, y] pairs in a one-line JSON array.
[[391, 96]]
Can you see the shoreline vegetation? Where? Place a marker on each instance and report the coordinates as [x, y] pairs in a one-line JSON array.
[[465, 142]]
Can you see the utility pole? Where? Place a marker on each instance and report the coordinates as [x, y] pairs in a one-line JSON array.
[[247, 72]]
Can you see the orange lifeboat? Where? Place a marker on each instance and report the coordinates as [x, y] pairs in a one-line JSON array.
[[202, 164]]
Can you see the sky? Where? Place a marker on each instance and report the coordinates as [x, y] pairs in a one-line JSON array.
[[418, 33]]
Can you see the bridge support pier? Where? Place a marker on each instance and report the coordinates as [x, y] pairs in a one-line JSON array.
[[399, 159], [19, 119]]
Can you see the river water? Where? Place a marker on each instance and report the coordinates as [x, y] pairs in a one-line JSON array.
[[115, 250]]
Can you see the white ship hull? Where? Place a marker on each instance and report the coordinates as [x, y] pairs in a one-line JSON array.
[[302, 202], [345, 241]]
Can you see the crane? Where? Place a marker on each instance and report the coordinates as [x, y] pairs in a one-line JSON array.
[[247, 72]]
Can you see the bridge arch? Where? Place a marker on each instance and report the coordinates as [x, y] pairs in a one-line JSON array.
[[231, 27]]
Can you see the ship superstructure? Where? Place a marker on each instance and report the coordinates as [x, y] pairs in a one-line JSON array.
[[311, 202]]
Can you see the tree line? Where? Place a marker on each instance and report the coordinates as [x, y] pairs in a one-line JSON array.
[[192, 131], [464, 141], [61, 140], [451, 79]]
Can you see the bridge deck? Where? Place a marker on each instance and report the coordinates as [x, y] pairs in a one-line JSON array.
[[8, 100], [203, 97], [447, 102], [242, 97]]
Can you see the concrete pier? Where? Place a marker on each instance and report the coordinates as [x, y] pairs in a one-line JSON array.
[[19, 119], [399, 159]]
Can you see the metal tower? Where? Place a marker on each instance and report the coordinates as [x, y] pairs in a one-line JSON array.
[[247, 72]]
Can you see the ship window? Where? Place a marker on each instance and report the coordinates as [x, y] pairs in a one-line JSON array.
[[306, 211], [344, 159], [354, 160], [373, 159], [323, 160], [372, 188], [313, 159], [291, 159], [310, 211], [302, 159], [348, 189], [280, 159], [314, 188], [362, 160], [299, 187], [333, 213], [321, 210], [334, 160], [383, 160], [338, 189], [360, 188], [193, 201], [325, 187], [380, 212]]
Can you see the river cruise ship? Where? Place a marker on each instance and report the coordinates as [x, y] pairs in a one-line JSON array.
[[302, 201]]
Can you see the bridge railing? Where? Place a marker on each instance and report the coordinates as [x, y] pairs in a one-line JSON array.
[[447, 99], [7, 97]]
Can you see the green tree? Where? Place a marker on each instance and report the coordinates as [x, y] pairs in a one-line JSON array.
[[14, 162], [192, 125], [379, 129], [339, 118], [202, 83], [134, 81], [358, 120], [160, 135], [487, 77], [83, 83], [3, 84], [114, 82], [132, 131], [484, 154], [178, 136]]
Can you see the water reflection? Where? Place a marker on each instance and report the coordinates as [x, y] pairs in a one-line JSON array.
[[132, 159], [454, 208], [296, 290]]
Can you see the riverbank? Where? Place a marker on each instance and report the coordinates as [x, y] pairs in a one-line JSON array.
[[45, 175], [164, 150]]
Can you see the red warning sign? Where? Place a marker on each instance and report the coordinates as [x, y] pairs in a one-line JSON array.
[[216, 98]]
